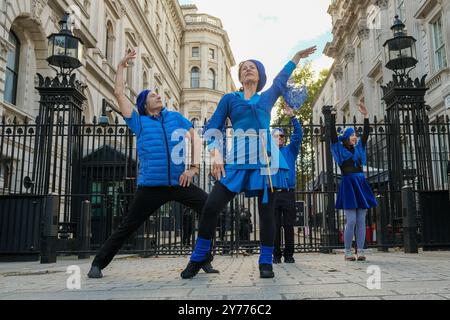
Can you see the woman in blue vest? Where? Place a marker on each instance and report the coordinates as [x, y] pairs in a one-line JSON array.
[[355, 195], [251, 164], [161, 179]]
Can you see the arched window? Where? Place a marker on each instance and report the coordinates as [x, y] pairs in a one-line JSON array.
[[12, 69], [195, 78], [211, 79], [109, 43]]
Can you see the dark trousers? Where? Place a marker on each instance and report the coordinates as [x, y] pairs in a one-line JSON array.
[[285, 213], [145, 203], [219, 197]]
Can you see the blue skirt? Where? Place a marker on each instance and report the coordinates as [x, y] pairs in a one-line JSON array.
[[355, 193], [252, 182]]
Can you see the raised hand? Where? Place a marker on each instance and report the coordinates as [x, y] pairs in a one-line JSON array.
[[363, 109], [303, 54], [131, 55], [288, 111]]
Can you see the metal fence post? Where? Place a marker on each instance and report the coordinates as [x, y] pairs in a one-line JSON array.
[[49, 235], [381, 220], [84, 230], [409, 216], [330, 234]]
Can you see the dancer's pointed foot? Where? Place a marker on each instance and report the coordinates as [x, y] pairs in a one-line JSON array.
[[95, 273], [266, 271], [193, 268], [208, 268]]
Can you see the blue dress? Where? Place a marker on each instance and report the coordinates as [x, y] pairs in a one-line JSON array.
[[253, 154], [354, 191]]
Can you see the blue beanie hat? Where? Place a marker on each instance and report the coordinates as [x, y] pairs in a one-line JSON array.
[[279, 130], [346, 134], [142, 101], [262, 75]]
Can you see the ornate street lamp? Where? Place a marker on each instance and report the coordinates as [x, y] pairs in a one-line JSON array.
[[406, 129], [400, 51], [64, 49]]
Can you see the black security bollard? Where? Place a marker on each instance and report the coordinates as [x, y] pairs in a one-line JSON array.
[[49, 235], [84, 230], [409, 216]]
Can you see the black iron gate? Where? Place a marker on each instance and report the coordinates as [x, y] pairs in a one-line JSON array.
[[105, 174]]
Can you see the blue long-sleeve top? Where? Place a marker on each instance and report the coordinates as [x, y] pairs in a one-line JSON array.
[[292, 150], [350, 160], [248, 117]]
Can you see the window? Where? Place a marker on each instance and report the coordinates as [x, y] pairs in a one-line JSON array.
[[12, 69], [401, 9], [440, 57], [195, 78], [195, 52], [109, 42], [377, 34], [212, 54], [211, 79]]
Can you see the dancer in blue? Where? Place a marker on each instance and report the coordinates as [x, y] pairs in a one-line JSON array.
[[246, 170], [355, 195], [285, 211]]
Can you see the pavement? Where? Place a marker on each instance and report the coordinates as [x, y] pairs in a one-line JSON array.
[[386, 276]]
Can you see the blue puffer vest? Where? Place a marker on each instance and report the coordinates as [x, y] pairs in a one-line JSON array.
[[155, 145]]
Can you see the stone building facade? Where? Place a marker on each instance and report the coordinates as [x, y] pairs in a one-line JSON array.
[[360, 28], [165, 34]]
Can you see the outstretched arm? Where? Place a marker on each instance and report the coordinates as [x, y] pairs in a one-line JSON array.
[[280, 82], [297, 136], [365, 112], [334, 137], [126, 108]]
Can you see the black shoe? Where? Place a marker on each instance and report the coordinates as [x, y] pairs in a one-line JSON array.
[[276, 260], [266, 271], [289, 260], [193, 268], [208, 268], [95, 273]]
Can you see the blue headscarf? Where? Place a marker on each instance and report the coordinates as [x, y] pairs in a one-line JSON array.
[[346, 134], [142, 101], [340, 152], [262, 74]]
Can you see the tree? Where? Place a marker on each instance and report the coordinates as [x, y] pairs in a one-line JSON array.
[[304, 75]]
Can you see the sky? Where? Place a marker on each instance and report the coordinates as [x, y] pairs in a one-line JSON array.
[[272, 31]]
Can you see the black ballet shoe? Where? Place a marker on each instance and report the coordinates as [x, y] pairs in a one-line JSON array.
[[95, 273], [266, 271], [208, 268], [193, 268]]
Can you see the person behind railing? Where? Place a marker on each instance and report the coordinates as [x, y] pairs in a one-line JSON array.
[[355, 196], [285, 210], [248, 112], [160, 179]]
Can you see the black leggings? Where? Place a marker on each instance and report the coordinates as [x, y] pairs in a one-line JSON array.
[[219, 197]]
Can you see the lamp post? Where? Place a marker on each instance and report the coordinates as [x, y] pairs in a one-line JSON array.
[[64, 49], [408, 139], [57, 158]]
